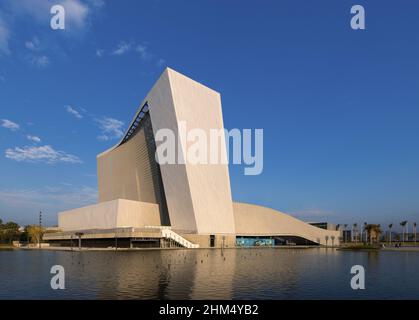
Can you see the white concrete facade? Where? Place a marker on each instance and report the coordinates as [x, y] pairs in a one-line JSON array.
[[253, 220], [110, 215], [197, 196]]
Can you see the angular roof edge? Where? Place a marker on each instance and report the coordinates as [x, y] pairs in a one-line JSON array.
[[167, 70]]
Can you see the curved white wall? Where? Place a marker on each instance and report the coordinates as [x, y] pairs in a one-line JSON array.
[[257, 220], [126, 173]]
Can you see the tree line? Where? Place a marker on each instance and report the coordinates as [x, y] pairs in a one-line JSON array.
[[11, 231], [372, 232]]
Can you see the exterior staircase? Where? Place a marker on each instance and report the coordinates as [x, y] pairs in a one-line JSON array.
[[168, 234]]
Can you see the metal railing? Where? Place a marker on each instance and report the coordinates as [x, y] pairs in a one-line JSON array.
[[169, 234]]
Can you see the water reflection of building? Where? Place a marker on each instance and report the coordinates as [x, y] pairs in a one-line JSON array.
[[197, 274], [149, 274], [144, 203]]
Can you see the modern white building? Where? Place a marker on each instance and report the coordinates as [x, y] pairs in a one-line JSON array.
[[144, 203]]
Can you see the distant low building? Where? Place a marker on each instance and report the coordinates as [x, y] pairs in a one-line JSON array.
[[324, 225], [346, 235]]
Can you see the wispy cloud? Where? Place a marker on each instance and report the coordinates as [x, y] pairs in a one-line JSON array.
[[142, 50], [160, 62], [44, 154], [100, 53], [74, 112], [78, 18], [4, 38], [122, 48], [33, 138], [125, 47], [62, 197], [110, 128], [76, 12], [312, 213], [9, 125], [97, 3], [41, 61], [33, 45], [35, 55]]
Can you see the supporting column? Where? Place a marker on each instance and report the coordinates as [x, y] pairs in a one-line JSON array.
[[79, 234]]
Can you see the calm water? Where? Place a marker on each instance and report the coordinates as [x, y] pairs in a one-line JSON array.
[[207, 274]]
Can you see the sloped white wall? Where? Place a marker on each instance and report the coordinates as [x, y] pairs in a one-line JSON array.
[[256, 220]]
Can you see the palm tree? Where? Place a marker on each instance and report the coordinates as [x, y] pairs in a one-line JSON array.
[[333, 240], [403, 224], [389, 227], [366, 240], [345, 226], [407, 231], [327, 239], [373, 231], [378, 232], [355, 231], [368, 231]]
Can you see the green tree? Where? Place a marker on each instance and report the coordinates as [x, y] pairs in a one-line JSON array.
[[373, 232], [35, 233], [403, 225], [346, 231], [364, 234], [9, 232], [389, 232], [355, 232]]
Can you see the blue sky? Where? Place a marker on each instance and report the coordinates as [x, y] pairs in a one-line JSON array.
[[339, 107]]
